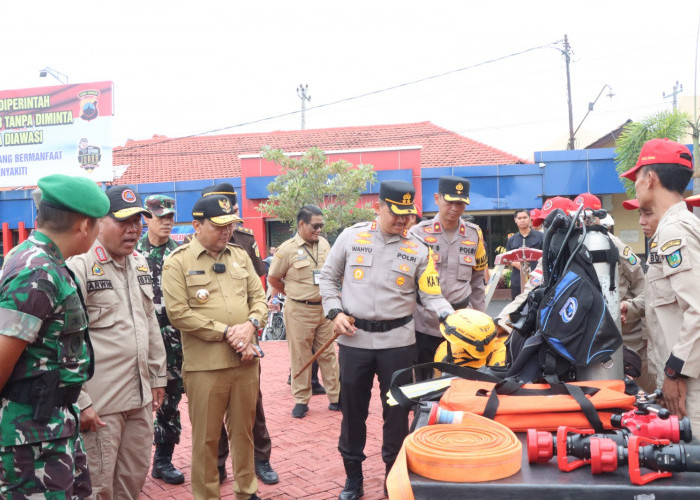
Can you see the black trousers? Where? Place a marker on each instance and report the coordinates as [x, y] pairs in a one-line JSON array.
[[426, 345], [261, 438], [357, 370]]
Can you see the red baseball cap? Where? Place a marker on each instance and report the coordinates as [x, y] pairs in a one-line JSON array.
[[558, 202], [535, 213], [588, 200], [693, 201], [632, 204], [657, 151]]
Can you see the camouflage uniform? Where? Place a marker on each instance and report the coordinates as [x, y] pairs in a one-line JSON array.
[[41, 304], [166, 426]]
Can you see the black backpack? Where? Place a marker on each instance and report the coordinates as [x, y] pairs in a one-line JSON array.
[[565, 323]]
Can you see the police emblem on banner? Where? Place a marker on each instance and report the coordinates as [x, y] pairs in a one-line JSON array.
[[88, 156], [88, 104]]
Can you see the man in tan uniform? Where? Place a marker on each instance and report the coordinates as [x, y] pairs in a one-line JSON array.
[[670, 302], [214, 297], [373, 274], [460, 258], [116, 405], [243, 237], [295, 271]]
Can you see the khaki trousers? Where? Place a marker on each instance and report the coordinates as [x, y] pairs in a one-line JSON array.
[[308, 327], [119, 454], [233, 393]]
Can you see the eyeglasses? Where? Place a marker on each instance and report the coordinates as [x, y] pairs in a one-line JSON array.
[[317, 226]]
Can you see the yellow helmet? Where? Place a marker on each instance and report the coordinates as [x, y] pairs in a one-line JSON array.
[[472, 330], [498, 354], [460, 357]]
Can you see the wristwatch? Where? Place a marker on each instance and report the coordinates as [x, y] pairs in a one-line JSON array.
[[673, 374], [333, 313], [255, 322]]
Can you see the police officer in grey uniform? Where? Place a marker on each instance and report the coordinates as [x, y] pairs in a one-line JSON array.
[[455, 245], [382, 269], [244, 237]]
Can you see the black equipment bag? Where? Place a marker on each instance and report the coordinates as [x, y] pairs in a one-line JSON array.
[[564, 323]]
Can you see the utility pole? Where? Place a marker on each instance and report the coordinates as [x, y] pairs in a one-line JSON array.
[[677, 89], [301, 92], [567, 57]]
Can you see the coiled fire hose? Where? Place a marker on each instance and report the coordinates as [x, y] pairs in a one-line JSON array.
[[477, 449]]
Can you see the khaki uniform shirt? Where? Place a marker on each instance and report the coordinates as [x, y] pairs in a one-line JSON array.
[[129, 350], [298, 263], [202, 303], [455, 257], [376, 277], [630, 284], [243, 237], [671, 302]]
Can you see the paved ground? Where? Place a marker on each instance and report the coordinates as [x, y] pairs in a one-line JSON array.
[[304, 451]]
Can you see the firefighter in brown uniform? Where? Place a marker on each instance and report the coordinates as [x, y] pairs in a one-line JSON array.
[[381, 269], [298, 261], [671, 302], [117, 404], [213, 296], [460, 258], [243, 237]]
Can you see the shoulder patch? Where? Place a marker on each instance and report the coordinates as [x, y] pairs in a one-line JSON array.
[[243, 229], [675, 259], [670, 244], [101, 254], [632, 259], [626, 251]]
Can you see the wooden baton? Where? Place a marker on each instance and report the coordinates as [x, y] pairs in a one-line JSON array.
[[323, 348]]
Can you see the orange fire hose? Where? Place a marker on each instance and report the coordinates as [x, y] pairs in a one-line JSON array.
[[477, 450]]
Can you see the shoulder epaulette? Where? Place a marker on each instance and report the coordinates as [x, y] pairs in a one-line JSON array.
[[178, 249], [244, 230]]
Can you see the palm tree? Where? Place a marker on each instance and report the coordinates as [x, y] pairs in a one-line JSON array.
[[665, 124]]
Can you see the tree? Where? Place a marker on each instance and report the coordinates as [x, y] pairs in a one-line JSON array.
[[665, 124], [311, 179]]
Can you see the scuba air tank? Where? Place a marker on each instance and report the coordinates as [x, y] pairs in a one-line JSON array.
[[605, 261]]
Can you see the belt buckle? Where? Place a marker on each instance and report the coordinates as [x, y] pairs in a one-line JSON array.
[[376, 326]]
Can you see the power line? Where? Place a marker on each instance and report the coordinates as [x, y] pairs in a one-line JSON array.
[[347, 99]]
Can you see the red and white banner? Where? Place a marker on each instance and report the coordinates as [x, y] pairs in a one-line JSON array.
[[61, 129]]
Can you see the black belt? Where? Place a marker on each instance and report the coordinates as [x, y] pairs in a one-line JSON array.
[[461, 304], [24, 392], [307, 302], [369, 325]]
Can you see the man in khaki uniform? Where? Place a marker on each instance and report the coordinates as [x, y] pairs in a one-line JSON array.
[[670, 302], [116, 405], [295, 271], [373, 274], [243, 237], [460, 258], [213, 296]]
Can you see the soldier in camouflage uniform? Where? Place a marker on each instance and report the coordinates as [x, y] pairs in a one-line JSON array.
[[155, 245], [45, 353]]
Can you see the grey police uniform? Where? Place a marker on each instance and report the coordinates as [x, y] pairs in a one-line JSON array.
[[380, 276]]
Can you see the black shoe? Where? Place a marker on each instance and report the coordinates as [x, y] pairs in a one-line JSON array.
[[353, 489], [334, 407], [317, 388], [299, 410], [168, 473], [163, 467], [264, 471], [222, 473]]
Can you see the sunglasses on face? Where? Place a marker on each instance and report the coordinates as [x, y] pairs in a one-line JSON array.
[[317, 226]]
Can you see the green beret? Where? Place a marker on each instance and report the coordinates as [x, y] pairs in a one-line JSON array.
[[76, 194]]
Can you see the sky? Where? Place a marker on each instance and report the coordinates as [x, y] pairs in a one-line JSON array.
[[187, 68]]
